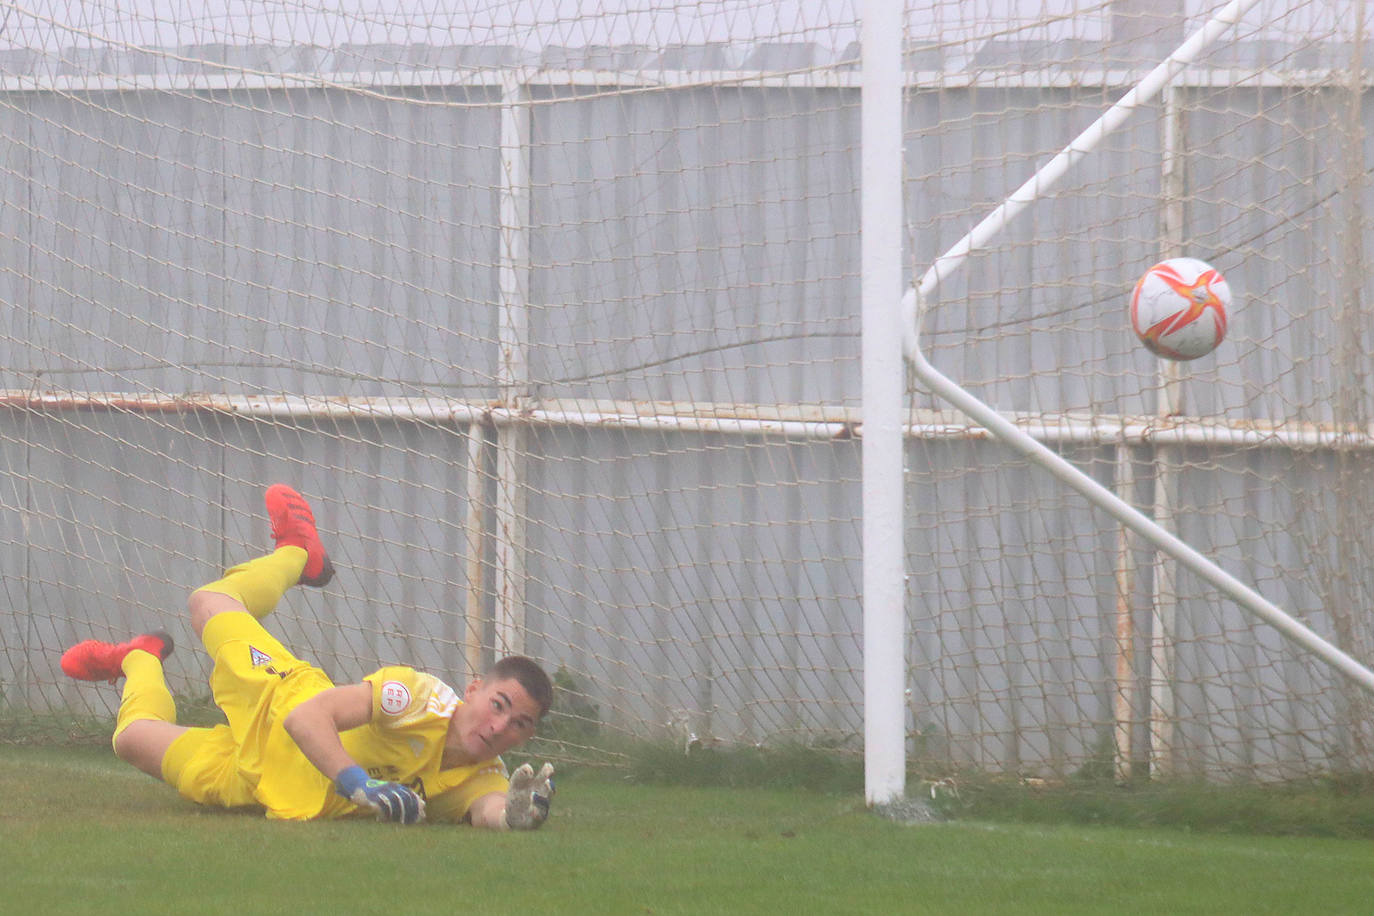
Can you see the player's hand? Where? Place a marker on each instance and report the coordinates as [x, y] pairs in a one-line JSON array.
[[391, 800], [527, 800]]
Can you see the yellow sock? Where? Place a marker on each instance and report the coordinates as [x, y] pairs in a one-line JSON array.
[[145, 692], [259, 584]]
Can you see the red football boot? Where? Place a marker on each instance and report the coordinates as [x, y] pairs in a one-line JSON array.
[[93, 660], [293, 525]]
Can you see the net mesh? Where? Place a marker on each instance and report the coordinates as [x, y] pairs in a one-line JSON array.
[[552, 310]]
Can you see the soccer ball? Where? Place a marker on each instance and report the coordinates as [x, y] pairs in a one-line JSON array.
[[1179, 308]]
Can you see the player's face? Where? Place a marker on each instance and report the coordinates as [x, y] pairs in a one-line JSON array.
[[495, 717]]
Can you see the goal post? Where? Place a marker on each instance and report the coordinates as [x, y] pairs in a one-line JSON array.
[[884, 559]]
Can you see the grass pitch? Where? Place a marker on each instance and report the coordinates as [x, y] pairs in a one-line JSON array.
[[82, 833]]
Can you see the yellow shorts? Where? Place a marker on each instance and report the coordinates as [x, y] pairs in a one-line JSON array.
[[256, 681]]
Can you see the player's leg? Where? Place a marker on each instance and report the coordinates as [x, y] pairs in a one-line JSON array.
[[254, 587], [254, 676], [227, 614], [248, 661], [258, 585], [146, 723]]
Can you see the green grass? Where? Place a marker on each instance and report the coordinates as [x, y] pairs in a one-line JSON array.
[[1341, 807], [82, 833]]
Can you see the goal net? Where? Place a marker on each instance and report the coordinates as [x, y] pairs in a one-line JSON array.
[[552, 310]]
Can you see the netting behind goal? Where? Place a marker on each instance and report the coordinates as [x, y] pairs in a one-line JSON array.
[[556, 320]]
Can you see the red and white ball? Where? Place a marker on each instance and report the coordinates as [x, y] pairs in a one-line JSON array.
[[1180, 308]]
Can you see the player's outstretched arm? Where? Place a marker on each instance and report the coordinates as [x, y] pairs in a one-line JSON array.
[[315, 726]]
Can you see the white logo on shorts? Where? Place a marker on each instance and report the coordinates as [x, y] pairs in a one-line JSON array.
[[395, 698]]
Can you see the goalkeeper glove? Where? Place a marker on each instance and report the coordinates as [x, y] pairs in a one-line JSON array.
[[391, 800], [527, 800]]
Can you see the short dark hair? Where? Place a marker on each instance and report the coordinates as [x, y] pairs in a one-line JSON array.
[[528, 674]]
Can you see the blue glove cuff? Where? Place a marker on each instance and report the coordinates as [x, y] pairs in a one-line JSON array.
[[349, 780]]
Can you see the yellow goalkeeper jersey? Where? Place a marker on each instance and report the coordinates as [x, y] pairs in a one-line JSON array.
[[403, 743]]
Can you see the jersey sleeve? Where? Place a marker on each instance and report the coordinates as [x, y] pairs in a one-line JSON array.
[[451, 806], [401, 696]]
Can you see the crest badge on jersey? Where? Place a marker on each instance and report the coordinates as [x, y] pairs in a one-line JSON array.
[[395, 698]]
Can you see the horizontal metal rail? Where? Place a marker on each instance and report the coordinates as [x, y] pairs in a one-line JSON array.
[[782, 421], [829, 76]]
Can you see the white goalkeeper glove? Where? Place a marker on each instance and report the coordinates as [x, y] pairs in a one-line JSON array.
[[527, 800]]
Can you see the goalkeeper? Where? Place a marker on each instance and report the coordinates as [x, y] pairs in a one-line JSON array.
[[401, 745]]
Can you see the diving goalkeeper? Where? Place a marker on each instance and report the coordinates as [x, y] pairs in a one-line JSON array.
[[401, 745]]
